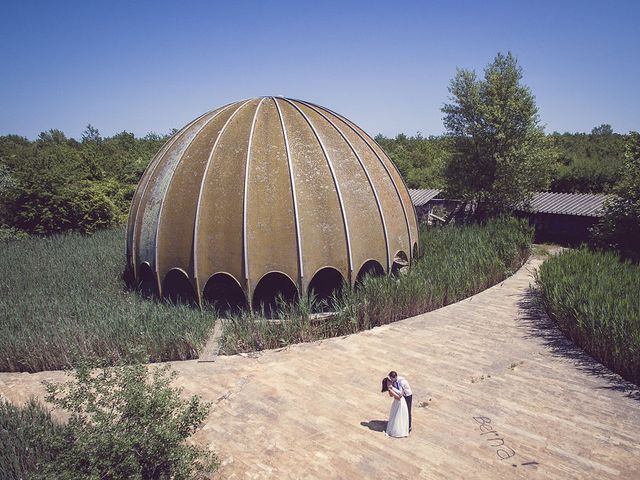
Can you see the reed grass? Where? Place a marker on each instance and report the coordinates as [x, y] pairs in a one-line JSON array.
[[63, 297], [23, 434], [595, 299], [456, 262]]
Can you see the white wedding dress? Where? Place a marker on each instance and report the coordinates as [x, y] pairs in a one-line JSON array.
[[398, 424]]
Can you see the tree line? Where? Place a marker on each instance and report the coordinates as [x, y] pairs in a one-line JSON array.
[[55, 184], [584, 162], [493, 155]]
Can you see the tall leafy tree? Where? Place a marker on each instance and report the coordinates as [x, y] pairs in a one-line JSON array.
[[604, 129], [500, 153]]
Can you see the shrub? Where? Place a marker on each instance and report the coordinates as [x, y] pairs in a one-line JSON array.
[[10, 233], [126, 422], [587, 163], [594, 298], [95, 205]]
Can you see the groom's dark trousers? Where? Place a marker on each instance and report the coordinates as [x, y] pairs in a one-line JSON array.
[[408, 399]]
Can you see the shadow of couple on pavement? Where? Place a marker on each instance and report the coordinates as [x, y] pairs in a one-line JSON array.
[[375, 425]]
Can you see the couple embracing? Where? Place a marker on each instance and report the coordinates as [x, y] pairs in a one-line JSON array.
[[399, 424]]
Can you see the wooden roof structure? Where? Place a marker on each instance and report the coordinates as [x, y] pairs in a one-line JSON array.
[[579, 204], [556, 203]]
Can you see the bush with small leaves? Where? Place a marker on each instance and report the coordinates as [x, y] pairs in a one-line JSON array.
[[127, 422]]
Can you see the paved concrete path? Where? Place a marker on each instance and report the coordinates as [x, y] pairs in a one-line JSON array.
[[491, 376]]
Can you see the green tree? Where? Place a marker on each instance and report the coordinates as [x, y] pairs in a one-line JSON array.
[[420, 160], [619, 227], [91, 134], [53, 136], [604, 129], [8, 186], [500, 154], [588, 163]]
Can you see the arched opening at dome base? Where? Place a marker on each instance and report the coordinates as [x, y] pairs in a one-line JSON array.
[[272, 290], [400, 261], [370, 268], [325, 286], [224, 293], [147, 281], [177, 288]]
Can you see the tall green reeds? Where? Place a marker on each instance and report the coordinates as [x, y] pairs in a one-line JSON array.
[[456, 262], [595, 298], [24, 432], [63, 297]]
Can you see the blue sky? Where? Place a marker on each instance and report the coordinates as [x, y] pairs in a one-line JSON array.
[[151, 66]]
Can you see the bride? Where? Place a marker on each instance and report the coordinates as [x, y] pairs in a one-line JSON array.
[[398, 424]]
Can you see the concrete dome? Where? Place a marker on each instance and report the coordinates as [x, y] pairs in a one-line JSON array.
[[263, 196]]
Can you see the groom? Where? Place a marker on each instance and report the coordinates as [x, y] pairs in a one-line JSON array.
[[401, 384]]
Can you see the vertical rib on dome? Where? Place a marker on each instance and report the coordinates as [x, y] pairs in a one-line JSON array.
[[139, 194], [394, 175], [296, 214], [245, 247], [366, 172], [335, 182], [197, 268]]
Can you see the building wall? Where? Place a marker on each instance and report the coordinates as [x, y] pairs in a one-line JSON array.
[[568, 230]]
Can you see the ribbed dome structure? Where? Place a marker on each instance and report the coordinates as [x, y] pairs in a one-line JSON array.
[[263, 196]]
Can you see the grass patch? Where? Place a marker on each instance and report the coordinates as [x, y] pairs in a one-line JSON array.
[[24, 432], [594, 299], [457, 262], [63, 297]]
